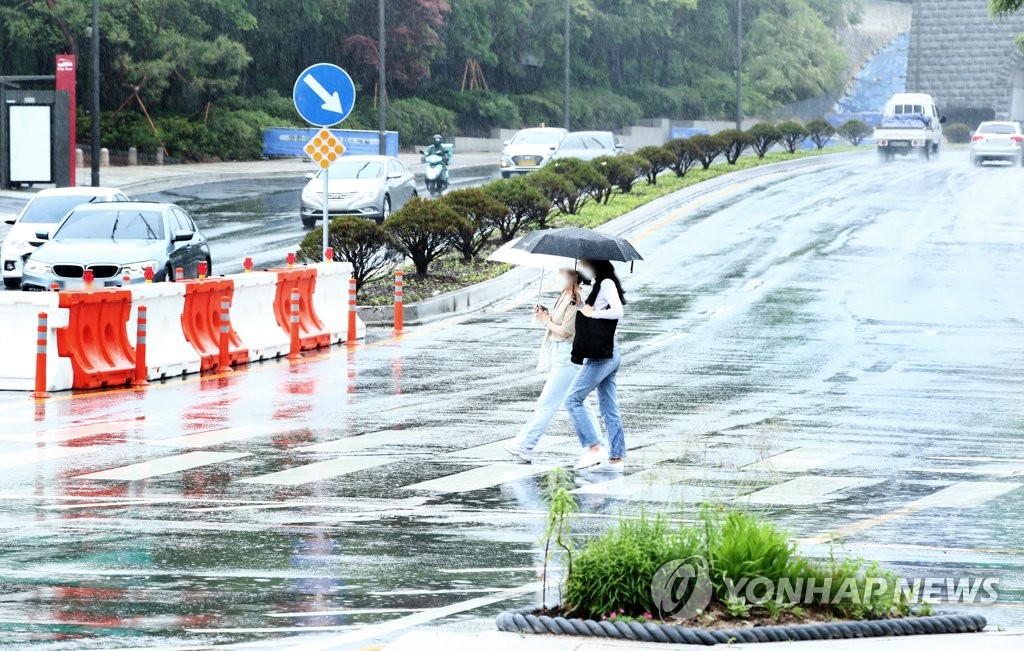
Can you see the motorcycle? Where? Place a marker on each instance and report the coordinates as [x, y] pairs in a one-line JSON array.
[[436, 174]]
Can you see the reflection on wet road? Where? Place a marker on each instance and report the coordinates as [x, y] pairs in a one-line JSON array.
[[839, 349]]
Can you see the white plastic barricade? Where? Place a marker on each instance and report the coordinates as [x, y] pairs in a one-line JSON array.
[[252, 315], [168, 353], [330, 300], [19, 319]]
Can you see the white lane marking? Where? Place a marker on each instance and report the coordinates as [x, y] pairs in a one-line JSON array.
[[931, 332], [213, 437], [642, 481], [496, 451], [56, 435], [319, 470], [32, 456], [347, 611], [804, 490], [98, 505], [666, 338], [416, 619], [801, 459], [963, 494], [163, 466], [998, 469], [363, 441], [477, 478], [488, 570], [414, 593], [276, 629], [721, 310], [660, 452], [976, 459], [753, 283]]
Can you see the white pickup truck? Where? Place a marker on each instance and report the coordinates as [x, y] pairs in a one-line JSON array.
[[911, 124]]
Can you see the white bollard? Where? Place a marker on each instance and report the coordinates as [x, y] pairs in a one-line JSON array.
[[104, 157], [133, 156]]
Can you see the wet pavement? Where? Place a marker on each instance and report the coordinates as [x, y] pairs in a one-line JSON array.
[[839, 349]]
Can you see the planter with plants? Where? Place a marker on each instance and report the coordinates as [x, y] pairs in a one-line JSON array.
[[729, 576]]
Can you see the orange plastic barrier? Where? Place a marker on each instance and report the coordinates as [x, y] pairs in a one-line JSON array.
[[200, 321], [96, 339], [312, 332]]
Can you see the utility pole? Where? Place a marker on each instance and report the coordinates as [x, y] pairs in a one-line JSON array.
[[568, 66], [95, 93], [739, 64], [382, 95]]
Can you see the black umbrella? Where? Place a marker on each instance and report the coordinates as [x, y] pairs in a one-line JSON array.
[[579, 243]]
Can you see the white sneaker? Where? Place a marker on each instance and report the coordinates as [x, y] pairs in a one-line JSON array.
[[607, 466], [591, 458], [516, 450]]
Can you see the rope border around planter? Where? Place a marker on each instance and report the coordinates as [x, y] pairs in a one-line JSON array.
[[520, 621]]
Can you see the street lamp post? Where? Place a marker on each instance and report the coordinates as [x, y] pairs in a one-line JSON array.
[[381, 67], [568, 67], [739, 64], [95, 93]]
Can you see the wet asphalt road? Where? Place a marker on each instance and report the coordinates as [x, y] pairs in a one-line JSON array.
[[839, 349]]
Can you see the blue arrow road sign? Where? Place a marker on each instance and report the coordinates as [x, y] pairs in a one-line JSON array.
[[324, 94]]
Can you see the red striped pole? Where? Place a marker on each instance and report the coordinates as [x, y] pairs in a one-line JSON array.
[[41, 330], [399, 302], [329, 254], [351, 311], [179, 274], [202, 270], [141, 369], [291, 260], [295, 353], [224, 363]]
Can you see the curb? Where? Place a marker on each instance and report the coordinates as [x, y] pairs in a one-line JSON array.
[[481, 295], [522, 621]]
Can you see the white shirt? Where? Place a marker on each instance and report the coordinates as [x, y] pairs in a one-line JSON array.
[[607, 305]]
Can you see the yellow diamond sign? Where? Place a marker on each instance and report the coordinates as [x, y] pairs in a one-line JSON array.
[[324, 148]]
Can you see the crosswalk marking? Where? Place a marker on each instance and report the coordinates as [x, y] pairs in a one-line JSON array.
[[56, 435], [496, 450], [661, 452], [365, 441], [319, 470], [639, 482], [48, 453], [809, 489], [963, 494], [163, 466], [998, 469], [478, 478], [801, 459], [213, 437]]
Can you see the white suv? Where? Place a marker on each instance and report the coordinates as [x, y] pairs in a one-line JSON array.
[[529, 149], [45, 210]]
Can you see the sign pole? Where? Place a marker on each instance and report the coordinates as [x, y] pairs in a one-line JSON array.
[[326, 172]]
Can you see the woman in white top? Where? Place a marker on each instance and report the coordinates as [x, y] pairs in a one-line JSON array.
[[599, 374]]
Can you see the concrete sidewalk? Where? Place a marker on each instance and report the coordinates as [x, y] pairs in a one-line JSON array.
[[497, 641]]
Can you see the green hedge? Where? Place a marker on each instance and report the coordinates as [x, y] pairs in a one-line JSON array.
[[477, 112], [598, 110], [416, 120]]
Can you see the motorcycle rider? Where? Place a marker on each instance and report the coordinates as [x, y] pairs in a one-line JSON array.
[[437, 148]]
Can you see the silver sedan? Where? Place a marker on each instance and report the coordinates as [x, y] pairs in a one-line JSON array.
[[361, 186], [997, 141]]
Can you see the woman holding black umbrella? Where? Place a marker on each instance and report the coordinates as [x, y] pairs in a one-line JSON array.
[[596, 348]]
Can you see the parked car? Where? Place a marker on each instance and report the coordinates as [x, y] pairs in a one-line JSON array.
[[46, 209], [114, 240], [997, 141], [364, 186], [588, 145], [529, 149]]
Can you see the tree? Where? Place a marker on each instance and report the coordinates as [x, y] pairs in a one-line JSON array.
[[708, 148], [854, 131], [584, 180], [820, 132], [361, 242], [526, 205], [560, 193], [763, 137], [424, 230], [736, 142], [685, 155], [791, 135], [659, 158], [481, 212], [621, 172]]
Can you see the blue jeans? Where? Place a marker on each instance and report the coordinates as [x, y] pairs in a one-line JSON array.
[[598, 374], [560, 378]]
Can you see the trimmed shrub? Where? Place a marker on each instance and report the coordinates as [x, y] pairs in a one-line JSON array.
[[416, 120], [424, 230], [763, 137], [621, 172], [659, 159], [525, 203], [708, 148], [361, 242], [736, 142], [587, 182], [854, 131], [958, 133], [791, 135], [557, 189], [481, 211], [685, 155], [820, 131]]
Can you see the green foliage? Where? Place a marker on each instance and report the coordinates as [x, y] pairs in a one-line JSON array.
[[820, 131], [675, 103], [559, 192], [620, 172], [424, 230], [477, 112], [658, 158], [742, 545], [791, 135], [854, 131], [562, 507], [526, 206], [708, 148], [763, 137], [684, 155], [481, 212], [418, 120], [957, 133], [736, 142], [361, 242]]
